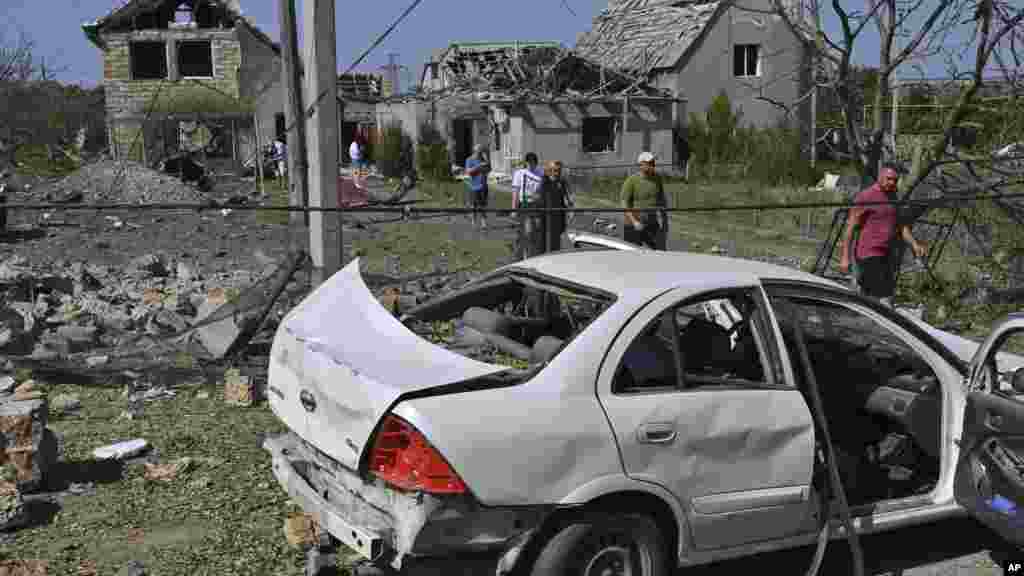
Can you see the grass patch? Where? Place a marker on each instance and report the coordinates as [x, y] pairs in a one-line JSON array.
[[278, 193], [34, 160], [223, 516]]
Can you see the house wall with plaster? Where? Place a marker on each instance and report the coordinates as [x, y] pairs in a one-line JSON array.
[[259, 81], [556, 132], [782, 75]]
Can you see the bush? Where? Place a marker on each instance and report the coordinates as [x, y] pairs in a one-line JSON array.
[[394, 152], [432, 161], [723, 149]]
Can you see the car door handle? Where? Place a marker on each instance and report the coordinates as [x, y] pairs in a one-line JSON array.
[[657, 433]]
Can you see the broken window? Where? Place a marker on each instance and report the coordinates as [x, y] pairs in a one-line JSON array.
[[718, 341], [599, 134], [746, 60], [148, 60], [512, 319], [195, 59]]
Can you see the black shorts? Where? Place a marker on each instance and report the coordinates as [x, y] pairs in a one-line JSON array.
[[476, 198], [876, 277]]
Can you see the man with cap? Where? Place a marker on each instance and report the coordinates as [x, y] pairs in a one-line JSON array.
[[645, 190]]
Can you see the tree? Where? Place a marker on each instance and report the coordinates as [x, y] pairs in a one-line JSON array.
[[990, 32]]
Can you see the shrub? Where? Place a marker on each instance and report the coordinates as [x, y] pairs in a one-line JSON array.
[[432, 161], [394, 153]]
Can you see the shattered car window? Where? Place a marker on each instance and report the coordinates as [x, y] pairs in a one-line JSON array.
[[515, 319]]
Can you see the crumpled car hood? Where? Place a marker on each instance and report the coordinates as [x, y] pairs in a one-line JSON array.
[[339, 360]]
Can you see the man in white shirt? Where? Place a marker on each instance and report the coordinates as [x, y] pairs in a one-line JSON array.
[[527, 183], [281, 158], [355, 152]]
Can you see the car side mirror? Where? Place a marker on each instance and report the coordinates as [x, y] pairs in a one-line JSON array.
[[1018, 381]]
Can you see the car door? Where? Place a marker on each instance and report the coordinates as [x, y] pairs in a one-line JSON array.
[[990, 471], [736, 448]]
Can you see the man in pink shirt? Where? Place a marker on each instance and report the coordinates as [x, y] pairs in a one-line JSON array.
[[878, 225]]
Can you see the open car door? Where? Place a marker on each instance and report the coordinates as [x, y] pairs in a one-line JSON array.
[[990, 472]]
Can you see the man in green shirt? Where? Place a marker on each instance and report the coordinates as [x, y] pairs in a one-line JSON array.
[[645, 190]]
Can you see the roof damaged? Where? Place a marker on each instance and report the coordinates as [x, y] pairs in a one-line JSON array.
[[534, 72]]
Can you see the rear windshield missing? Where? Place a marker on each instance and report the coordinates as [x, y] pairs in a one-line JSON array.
[[516, 319]]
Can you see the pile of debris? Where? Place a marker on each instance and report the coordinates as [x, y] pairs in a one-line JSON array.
[[123, 182], [73, 311]]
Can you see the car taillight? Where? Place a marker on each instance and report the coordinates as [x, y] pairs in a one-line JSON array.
[[402, 457]]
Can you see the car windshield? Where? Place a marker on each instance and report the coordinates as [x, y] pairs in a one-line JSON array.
[[516, 318]]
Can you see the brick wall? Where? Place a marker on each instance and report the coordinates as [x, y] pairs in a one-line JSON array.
[[128, 97]]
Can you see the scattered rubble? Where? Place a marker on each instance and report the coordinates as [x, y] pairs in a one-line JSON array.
[[167, 472], [238, 389], [301, 530], [121, 450], [133, 568], [23, 568], [136, 184], [25, 444]]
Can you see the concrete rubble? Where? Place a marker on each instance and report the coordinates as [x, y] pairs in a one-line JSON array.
[[72, 308], [112, 181]]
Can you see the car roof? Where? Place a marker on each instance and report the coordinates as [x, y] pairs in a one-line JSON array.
[[648, 271]]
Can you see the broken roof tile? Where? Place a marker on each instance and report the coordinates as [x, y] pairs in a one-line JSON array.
[[642, 35]]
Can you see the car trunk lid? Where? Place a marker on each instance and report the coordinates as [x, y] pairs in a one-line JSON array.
[[339, 361]]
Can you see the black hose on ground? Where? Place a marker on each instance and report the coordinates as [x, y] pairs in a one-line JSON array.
[[830, 460]]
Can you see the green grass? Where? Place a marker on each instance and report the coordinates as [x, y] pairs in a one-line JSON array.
[[224, 516], [419, 241], [278, 193], [35, 161]]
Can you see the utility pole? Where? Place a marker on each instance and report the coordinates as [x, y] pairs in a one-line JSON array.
[[298, 166], [322, 132]]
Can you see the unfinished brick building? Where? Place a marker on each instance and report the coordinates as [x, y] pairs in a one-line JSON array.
[[187, 74]]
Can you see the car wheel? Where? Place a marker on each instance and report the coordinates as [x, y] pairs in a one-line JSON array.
[[605, 545]]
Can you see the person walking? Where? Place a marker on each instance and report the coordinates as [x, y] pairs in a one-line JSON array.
[[645, 189], [355, 153], [873, 254], [554, 194], [526, 184], [280, 159], [477, 168]]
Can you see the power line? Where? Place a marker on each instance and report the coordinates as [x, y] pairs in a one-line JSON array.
[[312, 107], [426, 210]]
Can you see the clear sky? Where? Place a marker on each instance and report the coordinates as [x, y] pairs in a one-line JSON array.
[[55, 27]]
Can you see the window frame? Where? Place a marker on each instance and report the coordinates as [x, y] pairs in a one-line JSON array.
[[132, 59], [178, 52], [745, 50], [613, 125], [771, 363]]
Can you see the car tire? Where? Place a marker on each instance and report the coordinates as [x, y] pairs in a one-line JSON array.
[[590, 545]]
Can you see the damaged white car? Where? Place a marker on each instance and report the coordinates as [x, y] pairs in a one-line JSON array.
[[624, 412]]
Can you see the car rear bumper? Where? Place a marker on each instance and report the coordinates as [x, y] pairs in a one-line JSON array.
[[387, 526]]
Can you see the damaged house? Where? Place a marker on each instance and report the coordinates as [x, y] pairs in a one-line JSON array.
[[701, 47], [518, 97], [358, 95], [190, 75]]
